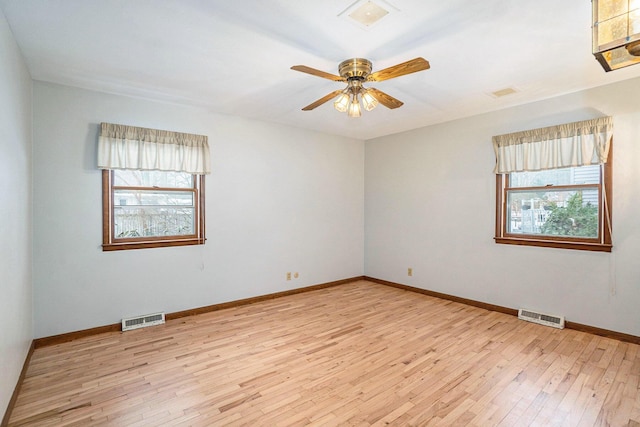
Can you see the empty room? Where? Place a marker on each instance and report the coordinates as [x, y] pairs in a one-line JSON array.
[[325, 213]]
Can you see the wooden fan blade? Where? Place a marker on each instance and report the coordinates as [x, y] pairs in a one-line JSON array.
[[384, 99], [322, 100], [415, 65], [314, 72]]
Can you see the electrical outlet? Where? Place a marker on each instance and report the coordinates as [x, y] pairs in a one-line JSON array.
[[295, 275], [409, 271], [288, 275]]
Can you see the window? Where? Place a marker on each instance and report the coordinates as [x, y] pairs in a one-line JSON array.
[[565, 208], [553, 186], [152, 187], [144, 209]]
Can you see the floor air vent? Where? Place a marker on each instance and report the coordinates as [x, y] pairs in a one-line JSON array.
[[543, 319], [142, 321]]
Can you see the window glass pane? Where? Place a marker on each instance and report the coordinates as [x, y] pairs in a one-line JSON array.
[[130, 178], [566, 176], [147, 221], [153, 213], [572, 212]]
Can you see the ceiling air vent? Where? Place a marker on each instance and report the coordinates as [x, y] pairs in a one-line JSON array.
[[504, 92], [142, 321]]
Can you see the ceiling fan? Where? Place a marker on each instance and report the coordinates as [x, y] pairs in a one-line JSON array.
[[355, 72]]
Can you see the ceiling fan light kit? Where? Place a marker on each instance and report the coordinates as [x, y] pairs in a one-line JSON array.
[[355, 72], [616, 33]]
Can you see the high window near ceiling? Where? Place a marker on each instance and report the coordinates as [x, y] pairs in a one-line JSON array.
[[554, 186], [152, 187]]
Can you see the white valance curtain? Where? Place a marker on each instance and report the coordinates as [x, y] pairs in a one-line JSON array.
[[572, 144], [129, 147]]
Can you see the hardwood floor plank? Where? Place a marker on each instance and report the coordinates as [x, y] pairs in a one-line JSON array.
[[357, 354]]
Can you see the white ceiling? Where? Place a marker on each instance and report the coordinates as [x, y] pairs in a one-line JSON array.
[[233, 57]]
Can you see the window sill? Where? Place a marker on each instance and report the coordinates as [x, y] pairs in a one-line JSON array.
[[582, 246], [150, 244]]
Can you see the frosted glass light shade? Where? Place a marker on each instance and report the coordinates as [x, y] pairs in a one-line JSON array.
[[616, 33], [342, 103], [369, 101], [354, 108]]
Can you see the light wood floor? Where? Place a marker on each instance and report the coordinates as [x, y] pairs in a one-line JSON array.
[[356, 354]]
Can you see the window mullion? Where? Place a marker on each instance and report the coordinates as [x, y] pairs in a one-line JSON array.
[[158, 189], [553, 187]]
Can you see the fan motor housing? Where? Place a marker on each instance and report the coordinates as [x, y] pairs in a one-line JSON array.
[[358, 68]]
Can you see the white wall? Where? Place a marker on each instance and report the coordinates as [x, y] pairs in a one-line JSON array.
[[430, 205], [279, 199], [16, 315], [284, 199]]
